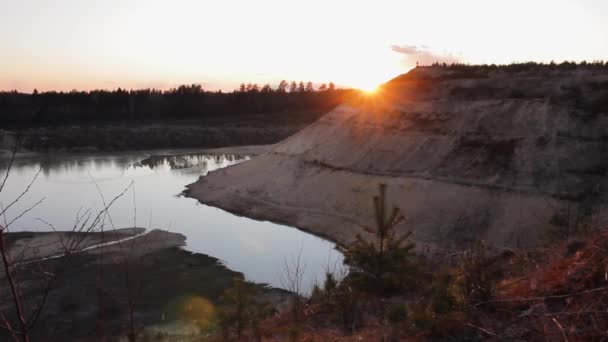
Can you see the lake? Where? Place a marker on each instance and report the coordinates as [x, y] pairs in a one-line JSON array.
[[71, 184]]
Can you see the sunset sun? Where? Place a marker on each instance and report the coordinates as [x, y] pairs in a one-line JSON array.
[[368, 88], [369, 83]]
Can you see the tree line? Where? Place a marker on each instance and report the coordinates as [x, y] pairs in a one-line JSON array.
[[284, 87], [183, 102], [524, 66]]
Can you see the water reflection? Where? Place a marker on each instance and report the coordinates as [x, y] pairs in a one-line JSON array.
[[64, 164], [205, 162], [258, 249]]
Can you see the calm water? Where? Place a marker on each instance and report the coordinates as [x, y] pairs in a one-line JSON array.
[[67, 184]]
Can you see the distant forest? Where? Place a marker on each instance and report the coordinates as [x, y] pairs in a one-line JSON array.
[[519, 67], [183, 102], [525, 66]]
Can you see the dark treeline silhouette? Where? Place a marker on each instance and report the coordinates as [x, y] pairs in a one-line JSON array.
[[183, 102], [525, 66]]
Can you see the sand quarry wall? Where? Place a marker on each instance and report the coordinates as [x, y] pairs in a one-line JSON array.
[[507, 157]]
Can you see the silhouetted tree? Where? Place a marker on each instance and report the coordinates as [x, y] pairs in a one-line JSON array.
[[266, 88], [331, 86], [323, 87], [293, 87], [301, 87], [309, 87], [282, 87]]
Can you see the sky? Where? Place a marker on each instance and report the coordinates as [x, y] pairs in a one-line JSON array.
[[106, 44]]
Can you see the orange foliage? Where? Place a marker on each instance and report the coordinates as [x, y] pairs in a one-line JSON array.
[[567, 298]]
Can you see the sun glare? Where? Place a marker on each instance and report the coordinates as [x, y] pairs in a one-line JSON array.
[[369, 89], [369, 82]]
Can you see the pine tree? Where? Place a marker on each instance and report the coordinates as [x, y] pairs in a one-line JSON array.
[[239, 299], [293, 87], [282, 87], [382, 264], [309, 87], [241, 309], [266, 88]]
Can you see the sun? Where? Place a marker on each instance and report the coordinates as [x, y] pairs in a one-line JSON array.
[[368, 85], [369, 89]]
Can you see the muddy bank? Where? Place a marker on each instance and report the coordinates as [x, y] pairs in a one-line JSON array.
[[92, 293]]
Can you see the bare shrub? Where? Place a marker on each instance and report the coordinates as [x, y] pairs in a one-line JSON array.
[[292, 281], [29, 279], [475, 282]]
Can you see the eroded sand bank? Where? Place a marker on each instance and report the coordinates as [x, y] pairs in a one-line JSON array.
[[462, 163]]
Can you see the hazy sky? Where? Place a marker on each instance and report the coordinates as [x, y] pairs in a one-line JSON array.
[[67, 44]]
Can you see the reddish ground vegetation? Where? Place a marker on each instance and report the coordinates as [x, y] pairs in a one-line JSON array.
[[565, 298], [558, 293]]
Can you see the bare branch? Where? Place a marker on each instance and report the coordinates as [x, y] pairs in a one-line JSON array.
[[24, 212], [6, 325], [481, 329], [27, 189], [10, 166], [15, 293], [532, 299], [560, 328]]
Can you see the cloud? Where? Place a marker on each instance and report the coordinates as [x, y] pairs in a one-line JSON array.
[[422, 55], [405, 49]]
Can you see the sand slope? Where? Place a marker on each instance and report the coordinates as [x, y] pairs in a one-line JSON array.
[[497, 155]]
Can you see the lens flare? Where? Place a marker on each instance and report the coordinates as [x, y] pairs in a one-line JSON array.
[[197, 310]]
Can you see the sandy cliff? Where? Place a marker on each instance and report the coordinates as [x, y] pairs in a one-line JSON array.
[[496, 154]]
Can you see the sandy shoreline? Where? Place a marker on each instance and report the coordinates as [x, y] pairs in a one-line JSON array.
[[337, 226], [26, 246]]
